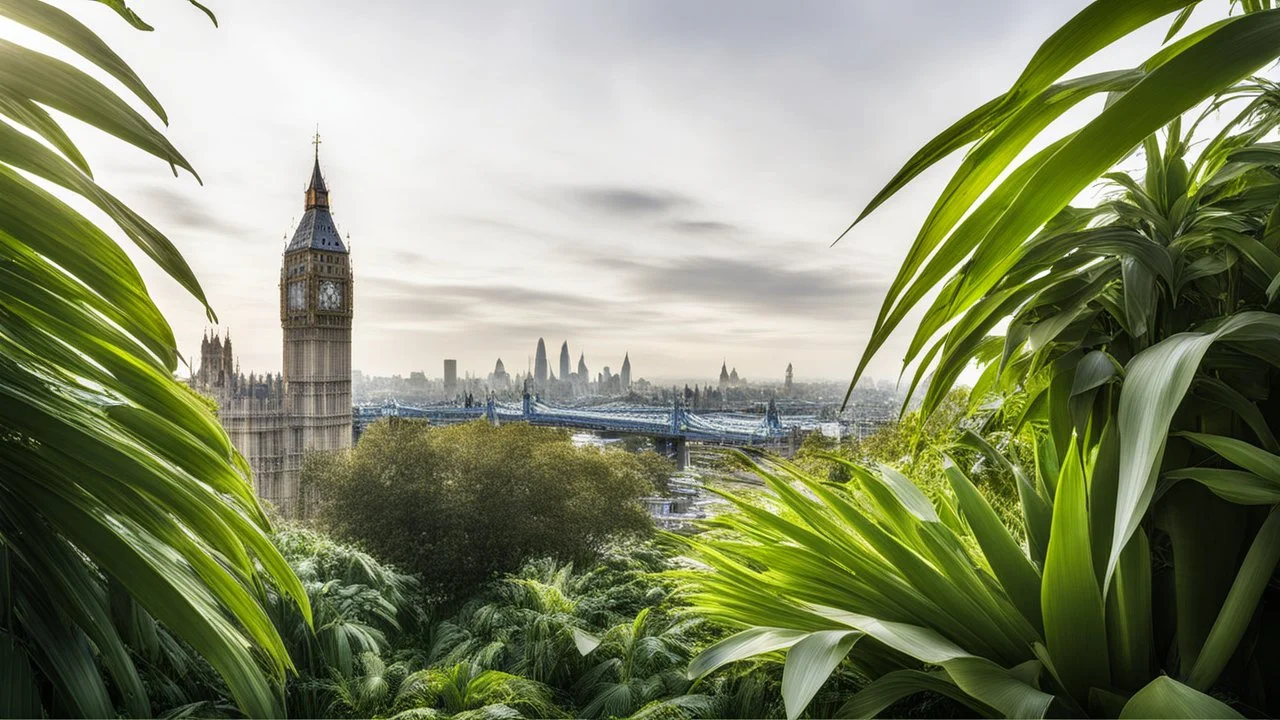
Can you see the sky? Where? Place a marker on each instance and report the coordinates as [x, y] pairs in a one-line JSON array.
[[656, 177]]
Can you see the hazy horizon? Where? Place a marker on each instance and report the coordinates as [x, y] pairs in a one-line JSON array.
[[652, 177]]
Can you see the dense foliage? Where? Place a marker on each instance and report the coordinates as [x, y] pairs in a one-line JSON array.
[[123, 504], [1132, 382], [461, 505], [611, 640]]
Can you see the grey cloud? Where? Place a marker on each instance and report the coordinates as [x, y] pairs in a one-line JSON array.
[[172, 209], [703, 227], [527, 310], [631, 202], [407, 257], [760, 286]]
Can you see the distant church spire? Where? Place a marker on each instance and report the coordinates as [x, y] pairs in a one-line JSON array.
[[317, 192]]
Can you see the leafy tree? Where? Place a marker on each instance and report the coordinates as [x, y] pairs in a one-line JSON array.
[[122, 501], [459, 505]]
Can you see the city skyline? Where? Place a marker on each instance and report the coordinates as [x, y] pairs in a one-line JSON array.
[[659, 178]]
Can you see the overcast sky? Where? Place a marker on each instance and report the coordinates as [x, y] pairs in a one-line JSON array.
[[662, 177]]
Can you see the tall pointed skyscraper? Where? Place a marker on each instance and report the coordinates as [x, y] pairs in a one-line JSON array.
[[540, 364], [626, 372], [565, 370]]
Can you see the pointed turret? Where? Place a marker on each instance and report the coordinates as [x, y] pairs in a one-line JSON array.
[[317, 230], [317, 192]]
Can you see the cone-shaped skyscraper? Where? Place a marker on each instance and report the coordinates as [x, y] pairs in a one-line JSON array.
[[540, 364], [564, 361], [626, 371]]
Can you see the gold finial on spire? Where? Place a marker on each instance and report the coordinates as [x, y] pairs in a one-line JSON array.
[[316, 141]]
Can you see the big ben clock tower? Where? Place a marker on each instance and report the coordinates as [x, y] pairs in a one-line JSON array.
[[315, 314]]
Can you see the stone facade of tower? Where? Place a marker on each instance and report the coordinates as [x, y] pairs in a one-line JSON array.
[[274, 420]]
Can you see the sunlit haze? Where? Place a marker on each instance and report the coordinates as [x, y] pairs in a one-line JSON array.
[[658, 178]]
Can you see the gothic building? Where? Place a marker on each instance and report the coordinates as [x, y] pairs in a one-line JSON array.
[[274, 420]]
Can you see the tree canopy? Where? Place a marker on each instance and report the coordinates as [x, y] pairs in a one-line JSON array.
[[462, 504]]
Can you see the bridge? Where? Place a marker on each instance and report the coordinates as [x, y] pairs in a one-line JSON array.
[[672, 429]]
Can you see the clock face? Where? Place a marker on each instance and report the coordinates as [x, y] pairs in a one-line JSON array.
[[297, 295], [330, 295]]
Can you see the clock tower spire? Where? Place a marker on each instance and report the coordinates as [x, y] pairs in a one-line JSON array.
[[316, 312]]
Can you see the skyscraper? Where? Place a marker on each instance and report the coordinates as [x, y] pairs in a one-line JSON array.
[[540, 364], [626, 372], [450, 376], [499, 380], [787, 385], [583, 375], [564, 361]]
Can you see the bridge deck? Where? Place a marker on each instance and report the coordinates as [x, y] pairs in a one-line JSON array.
[[676, 423]]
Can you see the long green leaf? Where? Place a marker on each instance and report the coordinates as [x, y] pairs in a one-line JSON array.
[[1010, 565], [809, 663], [1167, 698], [1156, 381], [977, 676], [1074, 620], [741, 646]]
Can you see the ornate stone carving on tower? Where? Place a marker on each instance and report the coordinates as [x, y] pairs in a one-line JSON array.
[[274, 421]]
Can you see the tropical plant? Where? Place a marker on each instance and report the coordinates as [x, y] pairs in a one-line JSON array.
[[1140, 346], [360, 607], [634, 664], [111, 473], [467, 690]]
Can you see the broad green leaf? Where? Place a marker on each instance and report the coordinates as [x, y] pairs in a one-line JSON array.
[[741, 646], [1074, 621], [809, 663], [1155, 383], [1237, 486], [1251, 458], [980, 678], [1167, 698]]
